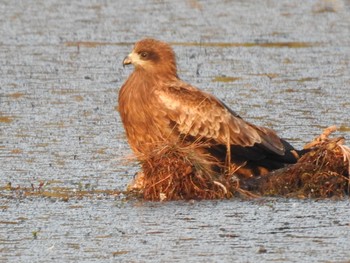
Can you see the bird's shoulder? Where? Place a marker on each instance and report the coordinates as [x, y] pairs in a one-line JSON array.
[[186, 101], [178, 89]]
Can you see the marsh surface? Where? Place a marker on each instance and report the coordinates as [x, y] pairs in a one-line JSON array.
[[281, 64]]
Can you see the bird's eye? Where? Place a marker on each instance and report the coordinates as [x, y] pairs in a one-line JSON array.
[[144, 54]]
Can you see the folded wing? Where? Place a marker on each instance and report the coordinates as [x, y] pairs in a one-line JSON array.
[[201, 116]]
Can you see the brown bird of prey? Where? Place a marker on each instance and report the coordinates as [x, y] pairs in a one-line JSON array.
[[156, 107]]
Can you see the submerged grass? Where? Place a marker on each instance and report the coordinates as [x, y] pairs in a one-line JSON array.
[[60, 193], [5, 119], [225, 79]]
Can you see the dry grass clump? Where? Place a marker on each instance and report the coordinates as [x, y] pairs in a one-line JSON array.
[[183, 173], [321, 173]]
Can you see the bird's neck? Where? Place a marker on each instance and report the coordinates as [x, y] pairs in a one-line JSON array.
[[161, 71], [152, 79]]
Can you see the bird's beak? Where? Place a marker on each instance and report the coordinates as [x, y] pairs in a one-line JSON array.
[[127, 60]]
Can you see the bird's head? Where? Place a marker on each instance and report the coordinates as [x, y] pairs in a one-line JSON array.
[[152, 56]]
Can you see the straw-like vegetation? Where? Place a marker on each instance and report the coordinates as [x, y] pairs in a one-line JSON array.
[[321, 173], [173, 172]]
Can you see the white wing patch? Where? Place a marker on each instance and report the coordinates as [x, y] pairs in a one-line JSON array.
[[169, 102]]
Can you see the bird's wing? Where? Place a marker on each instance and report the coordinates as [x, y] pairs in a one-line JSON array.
[[202, 116]]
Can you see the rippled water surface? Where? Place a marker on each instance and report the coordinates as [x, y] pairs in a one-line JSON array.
[[278, 63]]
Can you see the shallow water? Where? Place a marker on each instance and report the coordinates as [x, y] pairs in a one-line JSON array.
[[277, 63], [215, 231]]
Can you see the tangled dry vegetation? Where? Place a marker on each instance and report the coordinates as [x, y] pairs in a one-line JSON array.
[[171, 172], [321, 173], [175, 173]]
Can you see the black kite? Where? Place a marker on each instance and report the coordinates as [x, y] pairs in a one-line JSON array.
[[156, 107]]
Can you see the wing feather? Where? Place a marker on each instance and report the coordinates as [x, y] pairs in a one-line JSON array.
[[202, 116]]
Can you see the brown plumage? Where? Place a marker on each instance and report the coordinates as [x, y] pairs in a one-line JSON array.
[[157, 107]]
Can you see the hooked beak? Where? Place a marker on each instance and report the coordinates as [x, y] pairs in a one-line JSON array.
[[127, 60]]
